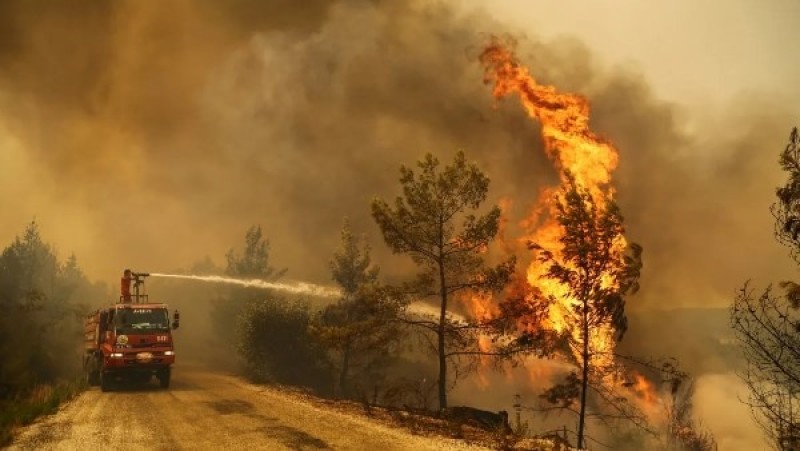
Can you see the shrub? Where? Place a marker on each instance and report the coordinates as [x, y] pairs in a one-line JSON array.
[[276, 346]]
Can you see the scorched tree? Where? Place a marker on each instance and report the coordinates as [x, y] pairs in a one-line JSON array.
[[597, 274]]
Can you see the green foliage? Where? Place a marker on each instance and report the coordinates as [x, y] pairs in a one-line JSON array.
[[435, 223], [787, 210], [360, 330], [43, 401], [252, 263], [276, 345], [362, 334], [254, 260], [42, 305], [424, 222], [41, 324], [351, 266]]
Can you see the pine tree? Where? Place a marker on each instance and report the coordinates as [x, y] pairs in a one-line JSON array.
[[435, 223]]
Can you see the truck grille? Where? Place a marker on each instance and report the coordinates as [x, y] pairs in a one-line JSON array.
[[136, 362]]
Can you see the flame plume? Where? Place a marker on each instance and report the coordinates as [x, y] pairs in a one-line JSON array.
[[573, 148]]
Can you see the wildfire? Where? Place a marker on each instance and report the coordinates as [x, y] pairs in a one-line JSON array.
[[647, 398], [573, 148], [482, 308], [644, 388]]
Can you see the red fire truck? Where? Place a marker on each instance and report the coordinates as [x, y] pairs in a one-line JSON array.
[[130, 340]]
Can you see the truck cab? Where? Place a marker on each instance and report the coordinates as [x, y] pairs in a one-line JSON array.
[[130, 341]]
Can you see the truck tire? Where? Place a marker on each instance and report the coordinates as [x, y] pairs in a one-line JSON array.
[[92, 378], [164, 377], [105, 381], [92, 374]]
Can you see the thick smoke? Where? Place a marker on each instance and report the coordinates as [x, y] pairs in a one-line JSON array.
[[151, 136], [148, 135]]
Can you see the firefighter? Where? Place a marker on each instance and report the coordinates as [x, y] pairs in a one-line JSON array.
[[126, 286]]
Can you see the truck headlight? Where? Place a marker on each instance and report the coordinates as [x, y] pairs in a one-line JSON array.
[[116, 355], [169, 352]]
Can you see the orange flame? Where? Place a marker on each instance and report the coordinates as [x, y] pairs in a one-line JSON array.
[[482, 308], [647, 398], [645, 390], [564, 117], [574, 148]]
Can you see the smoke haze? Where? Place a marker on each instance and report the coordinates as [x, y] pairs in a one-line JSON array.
[[148, 135]]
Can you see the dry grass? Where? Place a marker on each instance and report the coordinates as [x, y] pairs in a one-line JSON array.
[[42, 400], [427, 423]]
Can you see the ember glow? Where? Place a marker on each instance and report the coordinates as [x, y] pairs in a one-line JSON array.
[[482, 308], [575, 149], [645, 390]]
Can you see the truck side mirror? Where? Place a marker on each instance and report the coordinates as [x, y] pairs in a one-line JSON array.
[[176, 319]]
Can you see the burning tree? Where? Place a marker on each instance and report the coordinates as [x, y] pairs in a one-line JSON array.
[[595, 274], [435, 225], [584, 265], [360, 328], [767, 325]]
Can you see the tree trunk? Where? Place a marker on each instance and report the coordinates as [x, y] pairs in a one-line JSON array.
[[441, 333], [345, 368], [585, 380]]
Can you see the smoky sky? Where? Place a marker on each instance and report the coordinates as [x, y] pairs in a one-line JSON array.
[[149, 135]]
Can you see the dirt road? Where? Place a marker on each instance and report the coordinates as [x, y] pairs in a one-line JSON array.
[[205, 410]]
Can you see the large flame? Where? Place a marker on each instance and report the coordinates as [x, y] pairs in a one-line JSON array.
[[575, 149]]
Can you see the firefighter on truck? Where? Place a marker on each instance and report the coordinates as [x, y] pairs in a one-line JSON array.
[[130, 340]]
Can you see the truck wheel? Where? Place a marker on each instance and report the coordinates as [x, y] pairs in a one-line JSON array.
[[92, 377], [164, 377], [105, 381], [92, 374]]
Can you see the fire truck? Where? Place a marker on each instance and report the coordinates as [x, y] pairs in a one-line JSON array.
[[130, 340]]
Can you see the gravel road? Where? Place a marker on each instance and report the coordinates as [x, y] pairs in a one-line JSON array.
[[206, 410]]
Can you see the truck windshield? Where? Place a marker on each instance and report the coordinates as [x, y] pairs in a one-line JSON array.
[[132, 320]]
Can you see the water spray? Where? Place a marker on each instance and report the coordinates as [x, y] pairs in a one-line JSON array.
[[417, 308], [290, 287]]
